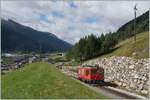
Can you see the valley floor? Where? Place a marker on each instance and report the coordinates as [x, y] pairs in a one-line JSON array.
[[43, 80]]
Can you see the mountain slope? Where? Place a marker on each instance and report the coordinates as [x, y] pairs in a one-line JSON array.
[[127, 47], [127, 30], [16, 37]]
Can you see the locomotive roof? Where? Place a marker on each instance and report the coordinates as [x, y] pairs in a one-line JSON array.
[[90, 67]]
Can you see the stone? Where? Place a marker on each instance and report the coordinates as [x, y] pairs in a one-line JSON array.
[[140, 86], [134, 53], [118, 83], [132, 85], [144, 92], [131, 67], [124, 84], [136, 76], [143, 78], [135, 80]]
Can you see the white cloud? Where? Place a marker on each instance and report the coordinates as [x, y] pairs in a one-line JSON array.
[[67, 22]]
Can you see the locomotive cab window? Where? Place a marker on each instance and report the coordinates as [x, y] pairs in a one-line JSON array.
[[87, 72], [93, 71], [82, 72]]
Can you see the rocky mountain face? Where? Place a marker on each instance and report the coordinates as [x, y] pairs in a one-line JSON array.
[[19, 38], [128, 73]]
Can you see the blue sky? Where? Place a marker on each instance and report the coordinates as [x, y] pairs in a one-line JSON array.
[[92, 19], [72, 4], [70, 20], [58, 14]]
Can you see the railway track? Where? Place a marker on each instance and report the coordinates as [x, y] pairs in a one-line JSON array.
[[113, 92], [118, 94], [110, 90]]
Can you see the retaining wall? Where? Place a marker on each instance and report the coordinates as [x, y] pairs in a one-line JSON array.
[[129, 73]]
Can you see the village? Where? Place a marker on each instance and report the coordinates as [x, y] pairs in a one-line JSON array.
[[15, 61]]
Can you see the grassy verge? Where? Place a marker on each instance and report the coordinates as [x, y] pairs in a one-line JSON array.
[[42, 80]]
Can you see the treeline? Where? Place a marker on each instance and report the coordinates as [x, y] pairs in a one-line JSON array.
[[91, 46]]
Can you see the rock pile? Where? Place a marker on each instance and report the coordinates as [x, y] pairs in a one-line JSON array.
[[129, 73]]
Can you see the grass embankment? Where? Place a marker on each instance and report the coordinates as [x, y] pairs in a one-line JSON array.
[[127, 47], [42, 80]]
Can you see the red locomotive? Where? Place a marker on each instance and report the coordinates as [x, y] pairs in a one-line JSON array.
[[91, 74]]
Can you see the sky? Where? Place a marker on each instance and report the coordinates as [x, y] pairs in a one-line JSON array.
[[72, 19]]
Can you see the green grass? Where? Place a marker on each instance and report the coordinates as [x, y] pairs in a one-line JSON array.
[[42, 80], [127, 47]]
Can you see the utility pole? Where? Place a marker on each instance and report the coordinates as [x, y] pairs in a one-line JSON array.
[[40, 47], [135, 8]]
